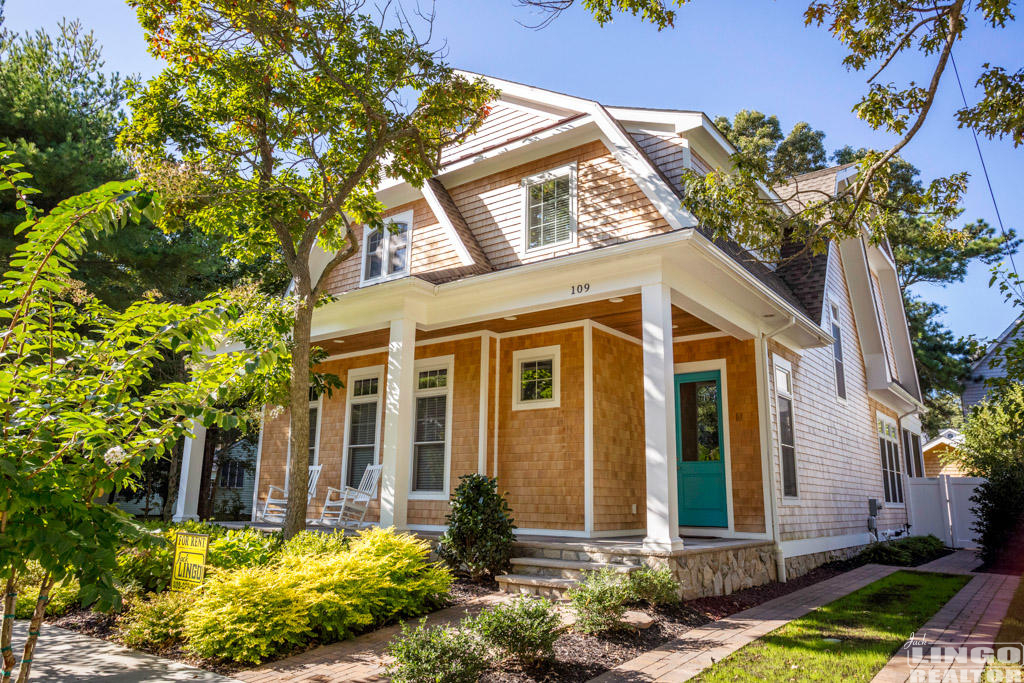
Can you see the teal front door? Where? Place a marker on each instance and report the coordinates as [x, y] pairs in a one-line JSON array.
[[700, 450]]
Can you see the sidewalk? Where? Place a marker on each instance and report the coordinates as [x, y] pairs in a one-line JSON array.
[[359, 659], [685, 657], [64, 656]]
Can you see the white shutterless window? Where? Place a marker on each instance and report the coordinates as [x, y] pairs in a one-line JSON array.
[[549, 208], [888, 448], [432, 442], [362, 430], [386, 250], [912, 453], [787, 432], [837, 349]]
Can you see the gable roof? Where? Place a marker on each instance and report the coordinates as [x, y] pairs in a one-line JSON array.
[[995, 344]]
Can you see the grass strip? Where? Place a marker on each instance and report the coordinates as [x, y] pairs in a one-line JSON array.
[[849, 639], [1011, 631]]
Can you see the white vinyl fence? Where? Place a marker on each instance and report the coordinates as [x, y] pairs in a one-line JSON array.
[[941, 506]]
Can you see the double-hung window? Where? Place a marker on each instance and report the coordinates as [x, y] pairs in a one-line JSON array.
[[549, 206], [386, 249], [364, 405], [231, 474], [837, 349], [888, 448], [787, 436], [912, 453], [315, 406], [537, 378], [431, 445]]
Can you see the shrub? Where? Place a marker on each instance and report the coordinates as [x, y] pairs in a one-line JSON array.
[[146, 569], [480, 528], [436, 655], [524, 628], [252, 613], [157, 622], [315, 543], [653, 586], [63, 595], [905, 552], [998, 502], [243, 548], [599, 601]]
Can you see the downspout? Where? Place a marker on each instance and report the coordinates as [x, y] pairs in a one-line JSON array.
[[780, 561]]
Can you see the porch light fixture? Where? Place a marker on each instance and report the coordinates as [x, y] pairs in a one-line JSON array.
[[615, 300]]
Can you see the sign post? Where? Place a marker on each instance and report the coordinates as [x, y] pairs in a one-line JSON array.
[[189, 560]]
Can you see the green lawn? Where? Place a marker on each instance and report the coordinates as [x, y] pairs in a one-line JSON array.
[[850, 639]]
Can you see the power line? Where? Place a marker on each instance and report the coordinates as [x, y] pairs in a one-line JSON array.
[[984, 168]]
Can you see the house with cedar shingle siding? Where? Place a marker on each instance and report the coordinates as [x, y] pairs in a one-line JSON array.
[[546, 312]]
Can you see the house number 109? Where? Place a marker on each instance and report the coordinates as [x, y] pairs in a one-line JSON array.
[[579, 289]]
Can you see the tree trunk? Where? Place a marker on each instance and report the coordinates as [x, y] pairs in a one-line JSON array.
[[33, 628], [298, 467], [174, 466], [7, 631]]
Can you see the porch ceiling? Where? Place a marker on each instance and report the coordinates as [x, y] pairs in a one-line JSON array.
[[623, 316]]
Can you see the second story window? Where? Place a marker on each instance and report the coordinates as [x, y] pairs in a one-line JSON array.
[[386, 250], [549, 207], [837, 350]]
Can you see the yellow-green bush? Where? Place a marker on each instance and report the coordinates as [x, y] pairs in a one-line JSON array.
[[315, 543], [251, 614], [157, 622], [63, 596]]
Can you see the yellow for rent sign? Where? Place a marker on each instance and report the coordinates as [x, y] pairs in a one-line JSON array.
[[189, 560]]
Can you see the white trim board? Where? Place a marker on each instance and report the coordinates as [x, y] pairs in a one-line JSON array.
[[821, 544]]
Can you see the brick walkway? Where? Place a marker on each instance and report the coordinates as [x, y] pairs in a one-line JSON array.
[[960, 562], [973, 616], [688, 655], [359, 659]]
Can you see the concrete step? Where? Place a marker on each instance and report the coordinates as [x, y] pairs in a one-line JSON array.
[[532, 584], [566, 569]]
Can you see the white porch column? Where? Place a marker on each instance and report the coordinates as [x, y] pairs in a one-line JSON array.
[[396, 453], [187, 504], [659, 419]]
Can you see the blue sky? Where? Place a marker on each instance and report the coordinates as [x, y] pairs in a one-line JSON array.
[[722, 56]]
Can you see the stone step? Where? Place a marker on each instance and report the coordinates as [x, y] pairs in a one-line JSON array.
[[532, 584], [566, 569]]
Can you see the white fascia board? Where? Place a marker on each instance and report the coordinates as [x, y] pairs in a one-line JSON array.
[[896, 398], [854, 260], [442, 217]]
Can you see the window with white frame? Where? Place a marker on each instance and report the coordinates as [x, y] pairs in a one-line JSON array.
[[837, 349], [362, 442], [314, 431], [386, 249], [537, 378], [888, 448], [912, 453], [549, 207], [431, 431], [231, 474], [787, 436]]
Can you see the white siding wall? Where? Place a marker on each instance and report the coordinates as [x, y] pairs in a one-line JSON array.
[[838, 464]]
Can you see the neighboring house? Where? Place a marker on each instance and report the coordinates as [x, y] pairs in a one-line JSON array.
[[544, 311], [229, 486], [938, 450], [983, 369]]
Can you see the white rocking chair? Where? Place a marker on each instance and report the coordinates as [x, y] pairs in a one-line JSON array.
[[347, 506], [276, 506]]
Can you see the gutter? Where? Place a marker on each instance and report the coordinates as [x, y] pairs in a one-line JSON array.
[[780, 560]]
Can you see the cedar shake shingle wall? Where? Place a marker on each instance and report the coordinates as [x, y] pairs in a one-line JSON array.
[[503, 123], [540, 451], [744, 433], [667, 152], [934, 464], [838, 464], [273, 457], [464, 422], [619, 461], [611, 208]]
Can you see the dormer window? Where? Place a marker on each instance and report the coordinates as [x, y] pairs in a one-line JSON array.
[[549, 207], [386, 250]]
